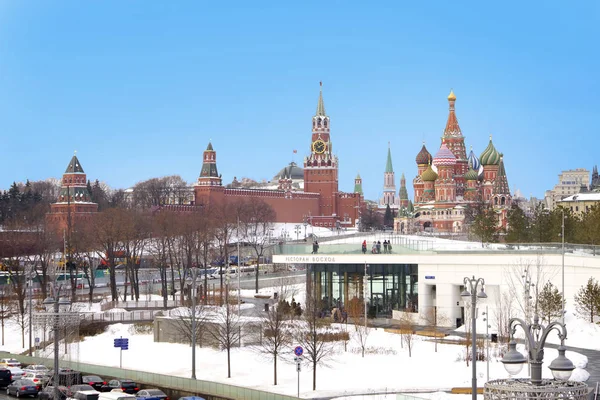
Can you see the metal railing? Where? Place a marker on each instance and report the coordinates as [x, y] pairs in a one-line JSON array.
[[195, 386], [129, 316], [142, 304]]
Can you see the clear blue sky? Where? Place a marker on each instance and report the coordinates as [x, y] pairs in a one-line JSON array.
[[139, 88]]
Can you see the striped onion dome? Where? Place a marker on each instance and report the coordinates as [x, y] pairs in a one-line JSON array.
[[471, 175], [424, 157], [490, 155], [473, 160], [444, 156], [429, 175]]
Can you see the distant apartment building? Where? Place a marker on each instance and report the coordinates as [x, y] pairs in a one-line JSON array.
[[569, 183], [580, 203]]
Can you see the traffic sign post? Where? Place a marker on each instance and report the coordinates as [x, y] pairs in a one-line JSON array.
[[122, 344], [298, 351]]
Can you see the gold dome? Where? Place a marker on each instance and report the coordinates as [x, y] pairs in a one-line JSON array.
[[451, 96]]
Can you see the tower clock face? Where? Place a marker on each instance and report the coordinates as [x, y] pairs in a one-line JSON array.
[[318, 146]]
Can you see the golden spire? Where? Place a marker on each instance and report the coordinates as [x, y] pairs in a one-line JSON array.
[[451, 96]]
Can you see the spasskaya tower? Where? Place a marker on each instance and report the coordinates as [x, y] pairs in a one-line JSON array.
[[321, 166]]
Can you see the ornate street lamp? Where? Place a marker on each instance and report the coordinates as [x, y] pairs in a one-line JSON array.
[[536, 336], [471, 285]]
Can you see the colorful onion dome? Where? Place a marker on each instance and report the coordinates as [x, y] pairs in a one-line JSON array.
[[444, 156], [490, 155], [471, 175], [451, 96], [429, 175], [424, 157], [473, 160]]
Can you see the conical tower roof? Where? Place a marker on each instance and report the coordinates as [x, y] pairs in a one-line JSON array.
[[501, 182], [74, 166], [358, 184], [209, 147], [452, 127], [424, 157], [403, 193], [388, 164], [320, 105]]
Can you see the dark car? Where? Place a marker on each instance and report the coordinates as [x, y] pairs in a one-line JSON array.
[[79, 388], [68, 378], [152, 394], [5, 377], [94, 381], [23, 387], [48, 393], [126, 385]]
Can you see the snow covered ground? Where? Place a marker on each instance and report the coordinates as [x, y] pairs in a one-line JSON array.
[[386, 368]]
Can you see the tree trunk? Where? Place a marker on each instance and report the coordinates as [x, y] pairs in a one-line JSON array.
[[113, 283], [256, 275], [2, 331], [314, 375], [275, 371], [228, 362]]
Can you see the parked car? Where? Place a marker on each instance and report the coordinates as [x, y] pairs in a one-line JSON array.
[[77, 388], [37, 368], [9, 362], [48, 393], [152, 394], [17, 373], [126, 385], [68, 378], [38, 378], [118, 395], [85, 395], [23, 387], [5, 377], [94, 381]]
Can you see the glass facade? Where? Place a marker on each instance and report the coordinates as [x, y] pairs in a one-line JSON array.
[[389, 286]]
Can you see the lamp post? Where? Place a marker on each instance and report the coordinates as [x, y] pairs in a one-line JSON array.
[[487, 344], [193, 271], [305, 225], [563, 265], [366, 293], [536, 335], [297, 230], [56, 302], [30, 309], [471, 285]]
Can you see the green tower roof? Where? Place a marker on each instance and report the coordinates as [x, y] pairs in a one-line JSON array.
[[358, 184], [388, 164], [74, 166]]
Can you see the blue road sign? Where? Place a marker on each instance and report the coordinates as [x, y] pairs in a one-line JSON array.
[[298, 351], [123, 343]]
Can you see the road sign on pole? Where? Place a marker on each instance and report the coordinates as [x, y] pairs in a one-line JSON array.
[[298, 360], [122, 344], [298, 351]]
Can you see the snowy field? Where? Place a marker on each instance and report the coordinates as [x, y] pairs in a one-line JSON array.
[[386, 368]]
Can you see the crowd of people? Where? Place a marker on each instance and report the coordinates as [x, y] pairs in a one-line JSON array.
[[376, 248]]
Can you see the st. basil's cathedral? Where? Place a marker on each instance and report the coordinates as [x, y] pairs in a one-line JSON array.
[[450, 182]]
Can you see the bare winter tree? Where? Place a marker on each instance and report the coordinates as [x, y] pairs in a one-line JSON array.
[[7, 307], [258, 219], [277, 336], [182, 317], [108, 238], [502, 314], [163, 223], [226, 331], [434, 319], [407, 329], [312, 335], [361, 329], [525, 281]]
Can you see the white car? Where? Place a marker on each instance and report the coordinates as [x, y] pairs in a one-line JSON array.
[[10, 362], [17, 373], [37, 377], [37, 368]]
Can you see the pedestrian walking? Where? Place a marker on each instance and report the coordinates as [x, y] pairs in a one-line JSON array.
[[385, 246], [378, 247], [364, 246]]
